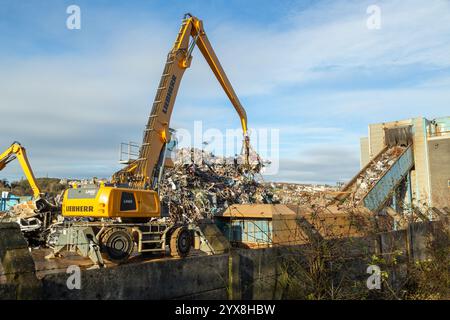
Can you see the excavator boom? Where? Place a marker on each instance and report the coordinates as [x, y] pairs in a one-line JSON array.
[[17, 151], [198, 33], [143, 172], [133, 192], [133, 197]]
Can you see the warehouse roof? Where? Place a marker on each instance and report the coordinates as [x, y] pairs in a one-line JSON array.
[[256, 210]]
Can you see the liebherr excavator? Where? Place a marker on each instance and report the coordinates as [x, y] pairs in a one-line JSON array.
[[17, 151], [40, 206], [128, 209]]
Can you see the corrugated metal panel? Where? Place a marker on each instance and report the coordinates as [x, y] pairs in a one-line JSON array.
[[382, 189]]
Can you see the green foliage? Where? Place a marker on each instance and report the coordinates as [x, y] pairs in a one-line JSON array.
[[51, 186], [430, 279], [325, 269]]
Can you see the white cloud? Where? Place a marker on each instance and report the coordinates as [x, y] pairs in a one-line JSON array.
[[320, 164], [72, 109], [262, 59]]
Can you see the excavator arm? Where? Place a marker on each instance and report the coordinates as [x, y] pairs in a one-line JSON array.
[[200, 38], [143, 172], [17, 151]]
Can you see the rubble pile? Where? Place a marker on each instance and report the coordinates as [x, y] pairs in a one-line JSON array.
[[201, 184], [369, 177], [24, 210]]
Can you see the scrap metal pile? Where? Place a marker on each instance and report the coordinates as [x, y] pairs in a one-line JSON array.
[[201, 184], [375, 170], [301, 194]]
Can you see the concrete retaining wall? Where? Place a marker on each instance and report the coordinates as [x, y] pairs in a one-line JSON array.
[[241, 274], [17, 265], [194, 277]]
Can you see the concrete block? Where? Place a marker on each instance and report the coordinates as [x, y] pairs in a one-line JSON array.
[[18, 261], [216, 239], [11, 237]]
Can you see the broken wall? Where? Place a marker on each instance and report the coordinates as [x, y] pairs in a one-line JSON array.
[[439, 159]]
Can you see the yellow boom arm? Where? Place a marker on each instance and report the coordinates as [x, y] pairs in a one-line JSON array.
[[17, 151], [143, 172]]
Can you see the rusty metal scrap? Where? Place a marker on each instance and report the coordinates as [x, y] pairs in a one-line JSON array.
[[373, 173], [358, 188], [201, 184]]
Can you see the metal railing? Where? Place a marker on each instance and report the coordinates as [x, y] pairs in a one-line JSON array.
[[432, 134], [129, 151]]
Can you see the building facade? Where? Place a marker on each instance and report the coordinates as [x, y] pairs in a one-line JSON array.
[[430, 176]]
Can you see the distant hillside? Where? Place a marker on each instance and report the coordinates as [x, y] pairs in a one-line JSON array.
[[52, 186]]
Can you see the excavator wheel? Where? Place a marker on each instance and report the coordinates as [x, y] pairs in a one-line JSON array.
[[180, 242], [116, 244]]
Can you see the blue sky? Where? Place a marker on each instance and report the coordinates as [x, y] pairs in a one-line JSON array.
[[311, 69]]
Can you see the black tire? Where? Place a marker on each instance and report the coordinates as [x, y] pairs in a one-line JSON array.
[[116, 244], [180, 242]]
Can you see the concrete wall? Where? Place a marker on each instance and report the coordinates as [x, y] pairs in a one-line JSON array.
[[258, 274], [242, 274], [191, 278], [431, 166], [17, 265], [376, 134], [364, 152], [439, 159], [420, 182]]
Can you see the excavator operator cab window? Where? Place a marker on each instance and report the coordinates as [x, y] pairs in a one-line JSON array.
[[127, 202], [171, 145], [82, 193]]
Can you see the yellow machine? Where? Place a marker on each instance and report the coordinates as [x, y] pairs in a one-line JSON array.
[[143, 172], [17, 151], [110, 202], [122, 209], [142, 175]]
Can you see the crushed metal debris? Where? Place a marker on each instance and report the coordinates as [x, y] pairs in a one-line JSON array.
[[358, 188], [201, 184]]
